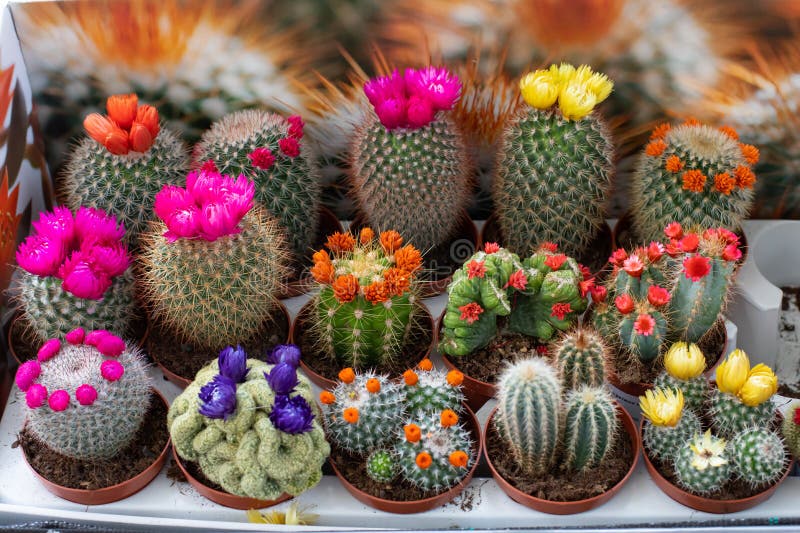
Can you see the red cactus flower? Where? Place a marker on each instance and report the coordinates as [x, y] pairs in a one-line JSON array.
[[624, 303], [555, 261], [644, 325], [658, 296], [476, 269], [633, 266], [731, 253], [560, 310], [673, 248], [289, 146], [585, 272], [654, 251], [296, 125], [549, 247], [797, 416], [491, 247], [261, 158], [517, 280], [690, 242], [599, 293], [696, 267], [471, 312], [674, 230], [586, 286], [618, 257]]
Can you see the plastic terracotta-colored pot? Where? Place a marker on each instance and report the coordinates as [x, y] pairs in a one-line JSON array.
[[225, 499], [184, 381], [417, 506], [563, 508], [300, 328], [115, 492], [708, 505]]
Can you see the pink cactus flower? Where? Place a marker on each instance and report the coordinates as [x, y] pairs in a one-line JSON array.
[[392, 113], [435, 84], [97, 224], [48, 350], [111, 370], [655, 251], [83, 277], [76, 336], [27, 373], [86, 394], [110, 345], [419, 112], [59, 400], [58, 225], [731, 253], [172, 198], [93, 338], [289, 146], [112, 257], [35, 396], [385, 87], [296, 126], [41, 256], [633, 266], [261, 158]]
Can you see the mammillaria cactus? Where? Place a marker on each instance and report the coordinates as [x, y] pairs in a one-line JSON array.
[[684, 364], [86, 397], [269, 150], [591, 424], [74, 271], [555, 164], [702, 464], [212, 265], [251, 427], [409, 162], [381, 466], [367, 298], [429, 389], [581, 356], [758, 456], [667, 424], [790, 429], [123, 163], [695, 175]]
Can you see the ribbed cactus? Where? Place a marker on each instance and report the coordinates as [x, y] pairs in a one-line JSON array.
[[433, 390], [528, 414], [381, 466], [790, 429], [730, 415], [366, 303], [590, 426], [667, 424], [252, 428], [554, 171], [581, 357], [702, 464], [758, 456], [684, 364], [123, 163], [363, 411], [695, 175], [268, 149], [87, 397]]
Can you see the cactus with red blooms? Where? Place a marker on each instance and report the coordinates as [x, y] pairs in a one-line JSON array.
[[123, 163], [409, 161], [74, 271]]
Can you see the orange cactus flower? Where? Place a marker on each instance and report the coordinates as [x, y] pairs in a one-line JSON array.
[[724, 183], [345, 288], [397, 281], [391, 241], [655, 148], [424, 460], [408, 258], [323, 272], [691, 121], [327, 397], [660, 131], [340, 242], [350, 415], [449, 418], [366, 236], [410, 377], [321, 256], [377, 292], [140, 138], [105, 132], [458, 459], [347, 375], [373, 386], [426, 365], [674, 164], [694, 180], [147, 116], [121, 108], [455, 378], [745, 178], [730, 132], [750, 153], [413, 433]]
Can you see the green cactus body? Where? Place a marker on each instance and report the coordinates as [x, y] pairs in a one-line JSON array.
[[646, 347], [289, 189], [552, 181], [653, 274], [703, 479], [379, 413], [581, 357], [246, 454], [664, 442], [214, 293], [731, 416], [758, 456], [696, 305], [528, 414], [52, 312], [606, 321], [695, 390], [790, 429], [706, 197], [381, 466], [124, 185], [414, 181], [105, 428], [432, 393], [590, 426]]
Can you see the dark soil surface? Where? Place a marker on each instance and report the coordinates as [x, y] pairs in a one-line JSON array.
[[487, 363]]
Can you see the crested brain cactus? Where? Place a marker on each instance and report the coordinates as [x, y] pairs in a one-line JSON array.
[[758, 456], [409, 162], [555, 167], [429, 389], [252, 428], [695, 175], [581, 357], [86, 397], [591, 424], [366, 303], [74, 271], [702, 464], [683, 370], [667, 424], [123, 163], [268, 149], [211, 269], [790, 429]]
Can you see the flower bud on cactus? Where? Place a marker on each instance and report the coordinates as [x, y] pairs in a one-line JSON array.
[[791, 428], [591, 425], [667, 424], [246, 437], [702, 464], [381, 466], [268, 149], [758, 456], [742, 398], [684, 365], [581, 357], [434, 390], [76, 408], [123, 163]]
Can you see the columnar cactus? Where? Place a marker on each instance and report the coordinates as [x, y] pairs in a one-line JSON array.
[[590, 426], [86, 397], [123, 163], [684, 364], [528, 414], [555, 166], [790, 429], [268, 149], [581, 357], [667, 424], [252, 428], [758, 456], [702, 464], [692, 174], [366, 303], [429, 389], [74, 271], [381, 466], [410, 164], [213, 265]]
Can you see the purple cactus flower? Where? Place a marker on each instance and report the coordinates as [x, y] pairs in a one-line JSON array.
[[233, 363], [291, 414], [285, 353], [282, 378], [218, 398]]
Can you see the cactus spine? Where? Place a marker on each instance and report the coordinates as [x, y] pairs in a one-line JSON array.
[[591, 425], [702, 465], [758, 456], [581, 357]]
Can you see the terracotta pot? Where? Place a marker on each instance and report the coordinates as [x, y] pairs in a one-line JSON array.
[[226, 499], [115, 492], [563, 508], [708, 505], [299, 329], [184, 381], [19, 322], [417, 506]]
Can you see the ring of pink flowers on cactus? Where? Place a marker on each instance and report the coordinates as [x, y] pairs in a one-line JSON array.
[[112, 370], [35, 396], [86, 394], [48, 350], [27, 373], [58, 400]]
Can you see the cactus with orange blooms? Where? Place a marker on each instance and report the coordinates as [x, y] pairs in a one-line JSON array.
[[367, 298], [429, 389], [122, 164]]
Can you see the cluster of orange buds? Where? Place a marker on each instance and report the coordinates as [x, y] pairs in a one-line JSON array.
[[127, 126], [413, 434]]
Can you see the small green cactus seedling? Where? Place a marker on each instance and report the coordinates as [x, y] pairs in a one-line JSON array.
[[591, 426], [581, 356], [381, 466], [702, 464], [758, 456], [667, 424]]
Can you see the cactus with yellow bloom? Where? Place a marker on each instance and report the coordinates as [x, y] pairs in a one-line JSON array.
[[555, 162], [667, 424], [684, 364], [702, 464]]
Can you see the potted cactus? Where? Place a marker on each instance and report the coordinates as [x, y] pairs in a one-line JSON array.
[[401, 447], [571, 449], [95, 428], [367, 314], [725, 454], [73, 270], [500, 306], [246, 432], [123, 163], [790, 430], [211, 269]]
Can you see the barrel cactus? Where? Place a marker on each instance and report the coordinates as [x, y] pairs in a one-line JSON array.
[[581, 356], [87, 396], [702, 464], [758, 456], [667, 424], [251, 427], [590, 427], [684, 364], [123, 163]]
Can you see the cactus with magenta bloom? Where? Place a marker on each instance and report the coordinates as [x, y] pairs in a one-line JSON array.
[[74, 271]]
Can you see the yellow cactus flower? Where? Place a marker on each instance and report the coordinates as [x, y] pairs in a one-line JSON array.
[[600, 85], [684, 361], [539, 88], [576, 101], [662, 407], [563, 73], [761, 384], [732, 372], [709, 451]]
